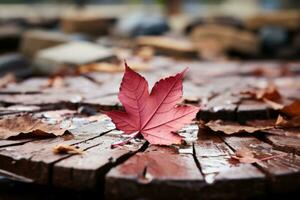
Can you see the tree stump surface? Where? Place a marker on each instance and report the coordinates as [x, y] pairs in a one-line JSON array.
[[203, 168]]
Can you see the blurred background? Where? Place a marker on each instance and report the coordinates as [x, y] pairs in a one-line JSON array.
[[54, 36]]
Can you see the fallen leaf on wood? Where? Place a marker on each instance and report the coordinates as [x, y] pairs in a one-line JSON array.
[[273, 104], [245, 155], [280, 121], [27, 126], [155, 116], [292, 109], [270, 93], [288, 123], [229, 127], [66, 149]]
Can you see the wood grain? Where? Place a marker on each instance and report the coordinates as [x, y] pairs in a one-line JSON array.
[[224, 174], [283, 170], [157, 173]]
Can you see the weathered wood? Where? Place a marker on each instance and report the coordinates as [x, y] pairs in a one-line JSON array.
[[157, 173], [28, 86], [38, 156], [67, 90], [202, 168], [49, 99], [251, 109], [14, 109], [217, 96], [74, 84], [221, 104], [290, 132], [221, 107], [222, 99], [202, 72], [283, 170], [6, 143], [225, 174], [283, 143], [91, 167]]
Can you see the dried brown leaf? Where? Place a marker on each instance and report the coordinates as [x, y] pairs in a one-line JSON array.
[[288, 123], [28, 125], [245, 155], [280, 121], [234, 127], [273, 104], [244, 152], [66, 149], [270, 93], [292, 109]]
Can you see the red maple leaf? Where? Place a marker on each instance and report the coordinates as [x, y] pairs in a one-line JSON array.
[[155, 116]]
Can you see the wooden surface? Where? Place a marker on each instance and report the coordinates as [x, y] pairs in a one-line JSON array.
[[203, 168]]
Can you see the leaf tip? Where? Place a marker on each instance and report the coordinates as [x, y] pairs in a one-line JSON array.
[[126, 65], [185, 71]]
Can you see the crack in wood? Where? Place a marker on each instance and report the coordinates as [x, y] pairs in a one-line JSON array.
[[197, 161]]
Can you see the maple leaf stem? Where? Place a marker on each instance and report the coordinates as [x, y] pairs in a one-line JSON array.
[[122, 142]]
